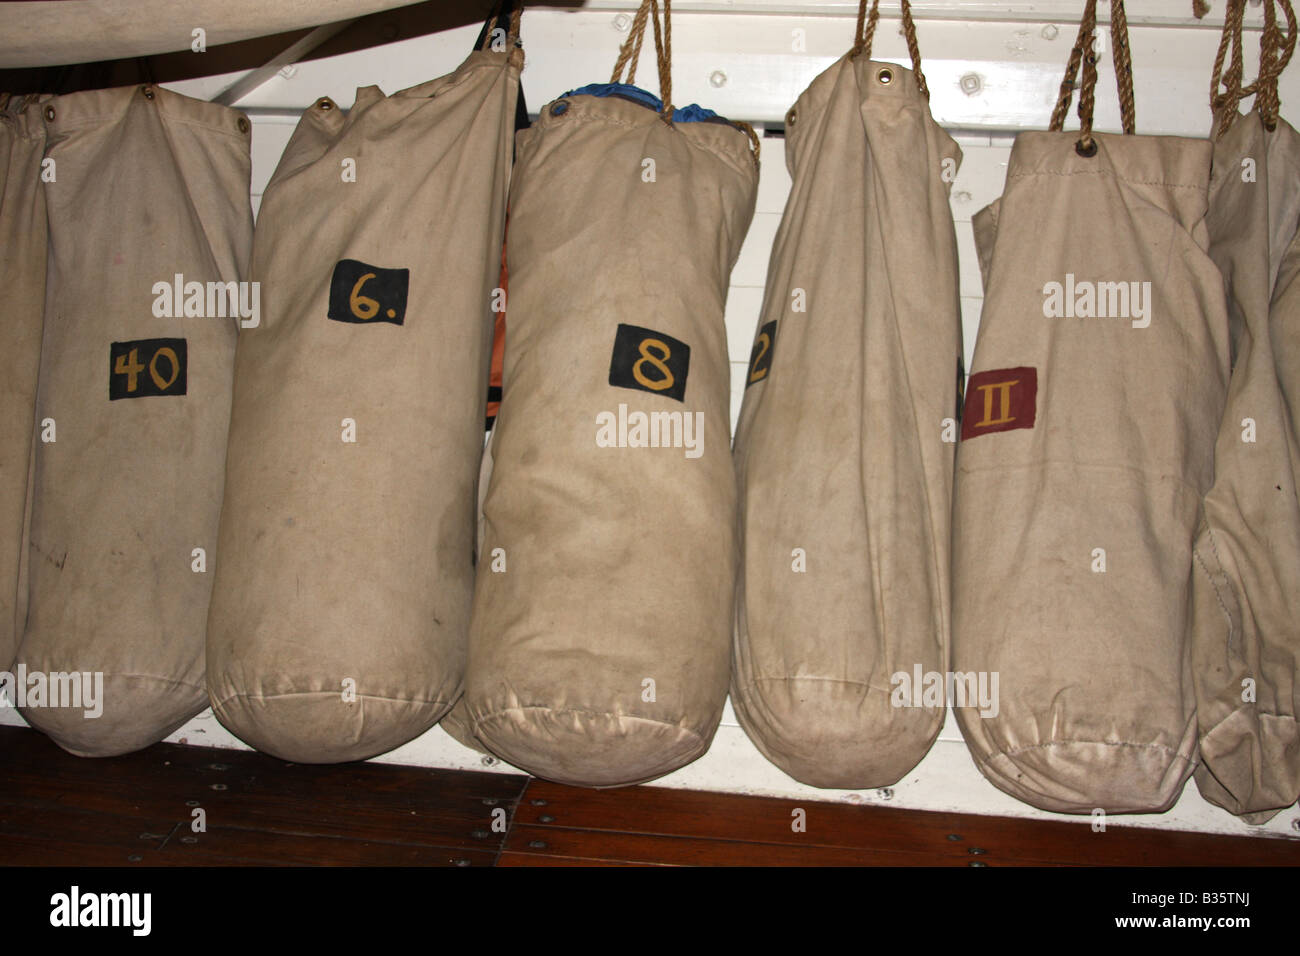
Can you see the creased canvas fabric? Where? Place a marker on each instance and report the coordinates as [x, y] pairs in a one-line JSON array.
[[599, 653], [1245, 623], [23, 235], [1090, 417], [343, 588], [845, 446], [150, 199]]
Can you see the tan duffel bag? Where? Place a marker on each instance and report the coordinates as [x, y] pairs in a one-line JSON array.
[[341, 611], [1245, 628], [599, 647], [150, 229], [1090, 416], [844, 451], [22, 269]]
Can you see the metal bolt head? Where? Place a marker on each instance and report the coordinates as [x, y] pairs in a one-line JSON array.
[[977, 850], [539, 802], [1050, 32], [717, 79], [954, 837], [971, 84], [977, 863], [546, 818], [622, 23]]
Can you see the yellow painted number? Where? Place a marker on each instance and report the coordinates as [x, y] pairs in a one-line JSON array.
[[657, 385], [153, 368], [363, 307], [758, 372], [129, 366]]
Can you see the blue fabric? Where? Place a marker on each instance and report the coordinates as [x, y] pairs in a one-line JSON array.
[[686, 114]]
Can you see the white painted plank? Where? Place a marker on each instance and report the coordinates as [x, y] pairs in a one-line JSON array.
[[1018, 66]]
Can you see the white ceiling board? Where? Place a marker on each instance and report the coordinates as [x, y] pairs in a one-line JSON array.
[[982, 75]]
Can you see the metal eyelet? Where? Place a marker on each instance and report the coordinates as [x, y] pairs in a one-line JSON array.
[[49, 114], [559, 108], [242, 123], [147, 91], [791, 116], [1087, 152], [885, 76], [324, 103]]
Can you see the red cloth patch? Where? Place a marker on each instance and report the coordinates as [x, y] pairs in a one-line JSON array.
[[999, 401]]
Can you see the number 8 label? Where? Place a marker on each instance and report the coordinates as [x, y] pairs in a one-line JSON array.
[[649, 361]]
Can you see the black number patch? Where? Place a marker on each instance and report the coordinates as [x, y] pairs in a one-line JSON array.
[[760, 359], [146, 367], [650, 361], [362, 293]]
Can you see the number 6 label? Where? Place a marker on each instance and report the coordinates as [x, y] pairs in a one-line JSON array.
[[146, 367], [366, 294]]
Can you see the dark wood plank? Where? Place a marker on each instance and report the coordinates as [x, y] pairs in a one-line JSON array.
[[381, 806], [542, 859], [636, 848], [970, 837]]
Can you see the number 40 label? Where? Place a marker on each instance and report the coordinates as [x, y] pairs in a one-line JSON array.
[[146, 367]]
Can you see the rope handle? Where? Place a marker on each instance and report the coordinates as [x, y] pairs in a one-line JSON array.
[[1084, 52], [512, 35], [866, 31], [1275, 50], [630, 53]]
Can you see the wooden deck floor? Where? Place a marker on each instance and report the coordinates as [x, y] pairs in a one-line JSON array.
[[139, 810]]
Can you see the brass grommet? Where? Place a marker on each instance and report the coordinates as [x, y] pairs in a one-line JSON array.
[[147, 91], [49, 113], [791, 115], [885, 76], [325, 103], [1087, 152], [242, 123]]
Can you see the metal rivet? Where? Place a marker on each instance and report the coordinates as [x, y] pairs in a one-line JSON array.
[[537, 844], [242, 124], [49, 113], [150, 836], [1087, 152], [479, 834], [559, 108], [971, 84], [546, 818], [718, 79], [622, 22], [218, 766], [1050, 32], [885, 76], [977, 850], [885, 793], [134, 858], [539, 802], [977, 863], [219, 786], [489, 761], [189, 839], [954, 837], [491, 801], [191, 803], [462, 862]]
